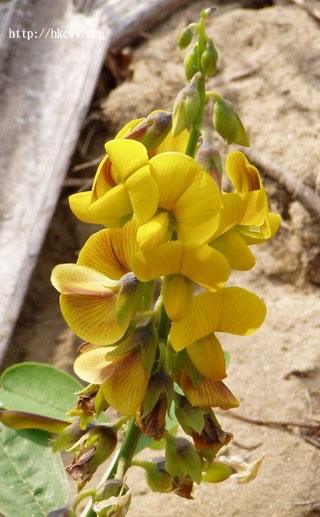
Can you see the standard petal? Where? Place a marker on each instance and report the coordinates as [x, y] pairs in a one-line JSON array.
[[93, 318], [208, 357], [243, 175], [92, 366], [231, 309], [103, 180], [174, 143], [79, 279], [126, 156], [109, 251], [173, 173], [199, 263], [126, 384], [197, 211], [208, 394], [233, 247], [144, 194]]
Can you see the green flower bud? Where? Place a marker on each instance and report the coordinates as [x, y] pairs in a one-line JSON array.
[[152, 130], [227, 123], [182, 458], [185, 37], [128, 297], [157, 478], [209, 59], [186, 106], [209, 158], [191, 63]]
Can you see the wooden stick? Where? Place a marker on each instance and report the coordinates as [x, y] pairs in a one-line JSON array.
[[315, 13]]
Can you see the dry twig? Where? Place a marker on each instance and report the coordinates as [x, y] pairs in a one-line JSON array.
[[312, 11]]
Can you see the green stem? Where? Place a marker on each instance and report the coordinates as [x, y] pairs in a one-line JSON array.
[[197, 123]]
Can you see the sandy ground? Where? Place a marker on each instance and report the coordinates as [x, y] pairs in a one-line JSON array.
[[270, 69]]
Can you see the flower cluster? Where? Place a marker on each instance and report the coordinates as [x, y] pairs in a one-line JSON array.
[[149, 291]]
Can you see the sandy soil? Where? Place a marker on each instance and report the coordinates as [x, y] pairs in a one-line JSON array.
[[270, 69]]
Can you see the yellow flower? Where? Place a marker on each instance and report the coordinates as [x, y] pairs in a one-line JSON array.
[[231, 309], [122, 182], [189, 202], [127, 183], [182, 263], [89, 289], [122, 377], [245, 218]]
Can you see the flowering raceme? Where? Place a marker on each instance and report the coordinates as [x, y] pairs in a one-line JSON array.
[[149, 293]]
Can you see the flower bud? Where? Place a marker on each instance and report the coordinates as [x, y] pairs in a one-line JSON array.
[[128, 297], [191, 63], [182, 458], [157, 478], [209, 159], [152, 130], [186, 106], [209, 59], [185, 37], [228, 124], [110, 488]]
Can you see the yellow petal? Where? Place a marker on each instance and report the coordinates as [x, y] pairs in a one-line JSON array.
[[208, 357], [113, 206], [154, 232], [126, 385], [197, 262], [79, 204], [208, 394], [174, 143], [177, 294], [197, 211], [126, 156], [231, 309], [128, 127], [110, 251], [234, 248], [232, 210], [243, 175], [144, 194], [92, 365], [267, 230], [79, 279], [103, 180], [93, 318], [173, 173], [256, 208]]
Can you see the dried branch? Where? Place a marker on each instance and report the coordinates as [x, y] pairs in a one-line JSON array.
[[312, 11]]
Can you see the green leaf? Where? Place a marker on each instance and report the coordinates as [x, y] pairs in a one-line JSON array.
[[32, 481], [38, 388]]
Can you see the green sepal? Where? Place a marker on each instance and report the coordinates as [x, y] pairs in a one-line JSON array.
[[189, 417], [182, 458], [128, 297], [69, 436]]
